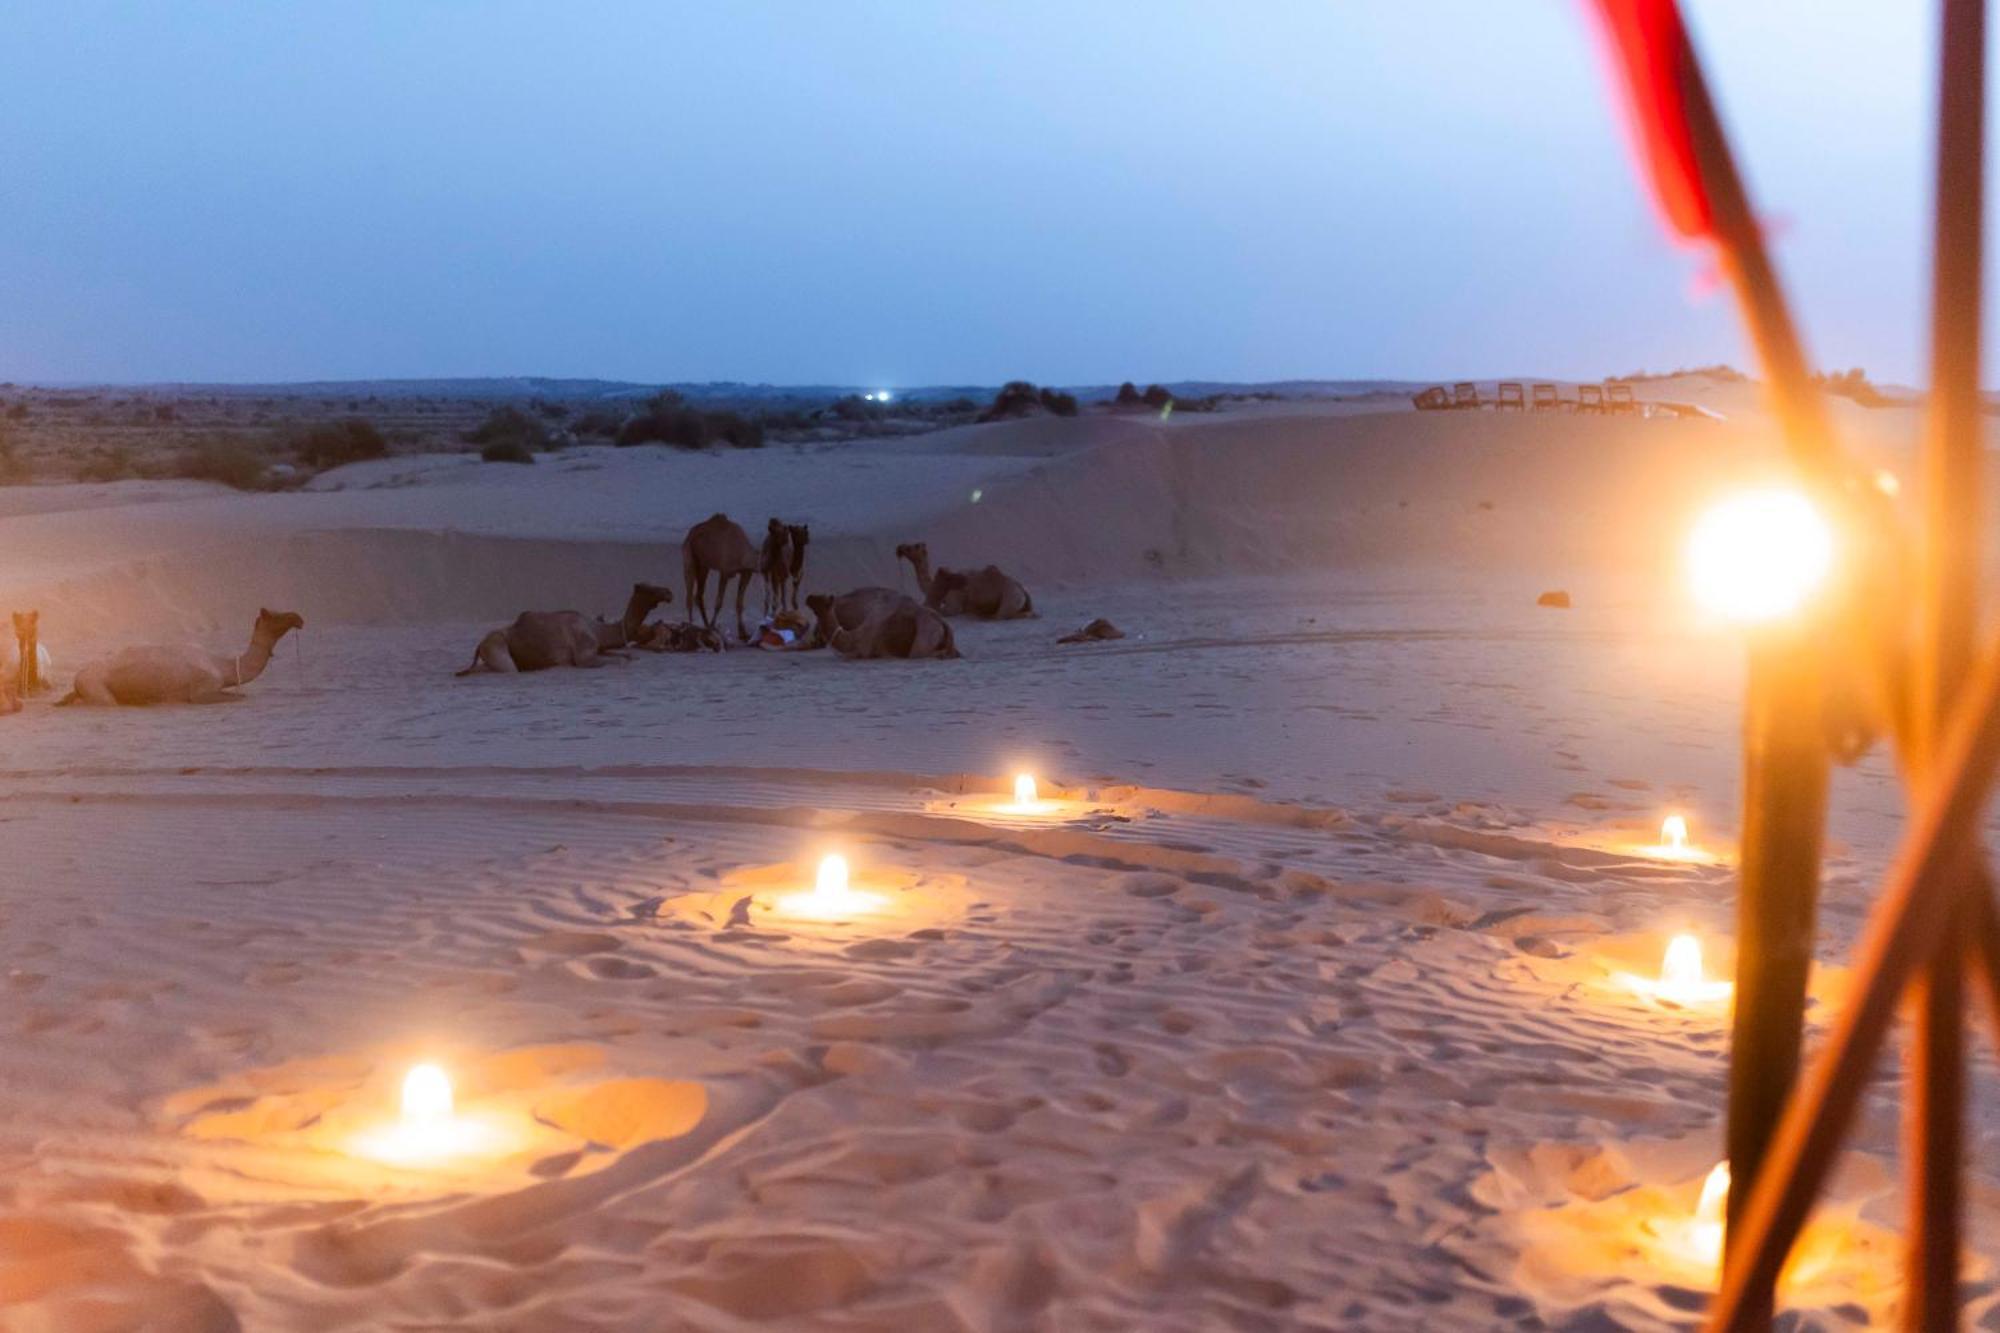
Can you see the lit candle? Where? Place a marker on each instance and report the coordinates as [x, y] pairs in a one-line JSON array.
[[1682, 980], [426, 1096], [831, 896], [1674, 835], [1024, 790], [1705, 1233]]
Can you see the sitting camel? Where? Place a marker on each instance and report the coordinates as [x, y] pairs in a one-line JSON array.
[[537, 641], [25, 662], [718, 545], [631, 630], [181, 673], [775, 564], [880, 622], [987, 593]]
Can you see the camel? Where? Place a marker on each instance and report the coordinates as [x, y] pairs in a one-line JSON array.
[[181, 673], [987, 593], [631, 630], [775, 564], [25, 662], [880, 622], [801, 534], [715, 544]]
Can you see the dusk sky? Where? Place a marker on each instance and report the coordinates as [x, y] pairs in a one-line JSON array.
[[913, 192]]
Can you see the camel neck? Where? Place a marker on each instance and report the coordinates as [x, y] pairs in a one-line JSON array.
[[250, 663]]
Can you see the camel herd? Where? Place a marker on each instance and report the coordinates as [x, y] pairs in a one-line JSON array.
[[870, 622]]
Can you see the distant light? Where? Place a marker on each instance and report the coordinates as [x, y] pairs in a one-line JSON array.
[[976, 493], [1759, 555]]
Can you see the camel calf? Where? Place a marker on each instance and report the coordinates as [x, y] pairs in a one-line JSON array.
[[775, 564]]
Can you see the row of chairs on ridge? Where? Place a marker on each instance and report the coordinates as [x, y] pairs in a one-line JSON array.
[[1465, 394]]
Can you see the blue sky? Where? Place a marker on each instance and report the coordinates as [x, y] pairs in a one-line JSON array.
[[920, 191]]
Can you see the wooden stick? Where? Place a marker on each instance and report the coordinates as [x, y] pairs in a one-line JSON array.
[[1948, 603], [1786, 769], [1930, 877]]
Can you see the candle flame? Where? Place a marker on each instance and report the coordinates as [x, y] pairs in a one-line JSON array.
[[1024, 790], [426, 1096], [1705, 1233], [1674, 834], [1680, 970], [831, 885]]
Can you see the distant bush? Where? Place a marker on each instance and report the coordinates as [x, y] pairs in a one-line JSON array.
[[1128, 395], [18, 412], [598, 421], [553, 411], [1852, 384], [113, 463], [1061, 404], [668, 419], [507, 451], [13, 467], [236, 463], [854, 407], [1156, 396], [334, 443], [511, 426]]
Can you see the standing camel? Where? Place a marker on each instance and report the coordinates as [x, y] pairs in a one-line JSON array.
[[775, 564], [715, 544], [181, 673], [25, 662], [801, 534]]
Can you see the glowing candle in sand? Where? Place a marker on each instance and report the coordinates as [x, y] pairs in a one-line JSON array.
[[831, 895], [1024, 790], [1760, 555], [430, 1130], [1682, 980], [1704, 1236], [1674, 835], [426, 1096]]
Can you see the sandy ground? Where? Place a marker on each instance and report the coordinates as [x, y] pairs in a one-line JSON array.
[[1303, 1007]]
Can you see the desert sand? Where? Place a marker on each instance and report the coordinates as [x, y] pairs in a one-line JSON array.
[[1307, 1002]]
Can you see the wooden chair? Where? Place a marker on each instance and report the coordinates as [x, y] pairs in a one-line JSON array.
[[1545, 398], [1434, 399], [1465, 394], [1589, 398], [1511, 397], [1618, 398]]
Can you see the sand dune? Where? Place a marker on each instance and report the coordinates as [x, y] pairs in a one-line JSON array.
[[1307, 1005]]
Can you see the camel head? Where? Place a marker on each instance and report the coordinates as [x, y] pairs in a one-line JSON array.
[[914, 552], [275, 625], [821, 605], [646, 596], [800, 534], [776, 527]]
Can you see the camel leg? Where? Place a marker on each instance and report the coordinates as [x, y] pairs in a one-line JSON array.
[[742, 591]]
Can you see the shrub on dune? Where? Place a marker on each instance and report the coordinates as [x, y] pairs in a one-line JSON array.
[[507, 451], [335, 443]]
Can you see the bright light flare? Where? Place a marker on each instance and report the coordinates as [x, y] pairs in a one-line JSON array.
[[1760, 555], [1024, 790]]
